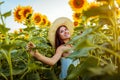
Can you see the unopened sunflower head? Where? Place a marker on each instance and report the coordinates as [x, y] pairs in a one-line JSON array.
[[49, 24], [26, 37], [2, 37], [20, 30], [15, 32]]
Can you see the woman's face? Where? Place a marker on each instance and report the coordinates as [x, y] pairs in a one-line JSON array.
[[64, 33]]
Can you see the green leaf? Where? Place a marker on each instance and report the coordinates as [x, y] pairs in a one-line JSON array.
[[29, 28], [3, 29], [83, 43], [1, 2], [7, 14], [99, 11], [80, 53], [109, 69], [50, 75], [85, 33], [19, 71], [33, 76], [96, 71], [83, 68], [7, 47], [103, 21]]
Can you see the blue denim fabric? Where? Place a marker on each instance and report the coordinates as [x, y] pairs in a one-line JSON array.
[[65, 63]]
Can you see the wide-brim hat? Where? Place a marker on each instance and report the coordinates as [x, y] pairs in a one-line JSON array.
[[56, 24]]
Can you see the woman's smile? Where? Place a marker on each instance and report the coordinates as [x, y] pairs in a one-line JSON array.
[[64, 33]]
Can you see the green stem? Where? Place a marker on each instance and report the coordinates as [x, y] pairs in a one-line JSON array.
[[10, 65], [4, 76], [99, 59], [24, 74], [2, 18], [8, 58], [110, 51]]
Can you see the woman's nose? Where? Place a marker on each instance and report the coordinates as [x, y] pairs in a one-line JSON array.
[[65, 31]]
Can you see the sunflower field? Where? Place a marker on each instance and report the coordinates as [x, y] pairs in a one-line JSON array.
[[96, 42]]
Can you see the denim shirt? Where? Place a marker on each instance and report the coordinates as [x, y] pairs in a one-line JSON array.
[[65, 63]]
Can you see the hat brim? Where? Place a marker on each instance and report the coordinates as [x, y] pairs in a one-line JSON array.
[[56, 24]]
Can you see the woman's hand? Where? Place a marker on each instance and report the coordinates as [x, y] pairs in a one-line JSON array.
[[33, 52], [30, 47]]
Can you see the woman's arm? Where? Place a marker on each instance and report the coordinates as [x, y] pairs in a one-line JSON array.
[[50, 61]]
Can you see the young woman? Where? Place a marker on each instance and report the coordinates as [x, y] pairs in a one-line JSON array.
[[59, 34]]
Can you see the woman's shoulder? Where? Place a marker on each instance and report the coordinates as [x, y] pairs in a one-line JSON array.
[[61, 46]]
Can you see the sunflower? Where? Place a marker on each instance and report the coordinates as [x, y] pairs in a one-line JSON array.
[[45, 20], [76, 23], [20, 30], [78, 5], [93, 18], [26, 11], [2, 37], [76, 16], [15, 32], [49, 23], [93, 5], [17, 16], [96, 4], [118, 1], [37, 18], [26, 37]]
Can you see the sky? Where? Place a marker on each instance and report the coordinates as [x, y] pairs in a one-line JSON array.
[[51, 8]]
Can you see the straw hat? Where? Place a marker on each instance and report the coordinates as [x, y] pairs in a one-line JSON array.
[[56, 24]]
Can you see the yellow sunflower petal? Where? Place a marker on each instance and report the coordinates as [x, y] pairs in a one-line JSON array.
[[17, 16], [78, 5], [96, 4], [37, 18], [118, 1], [26, 11], [15, 32], [26, 36], [49, 23], [118, 12], [76, 16], [45, 20]]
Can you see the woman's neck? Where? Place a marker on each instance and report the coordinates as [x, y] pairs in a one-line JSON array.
[[66, 40]]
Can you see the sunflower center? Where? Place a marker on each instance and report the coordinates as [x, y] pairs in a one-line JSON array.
[[78, 3], [37, 19], [77, 15], [75, 23], [44, 21], [17, 15], [26, 12]]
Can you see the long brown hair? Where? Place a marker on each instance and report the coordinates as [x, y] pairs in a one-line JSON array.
[[58, 40]]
